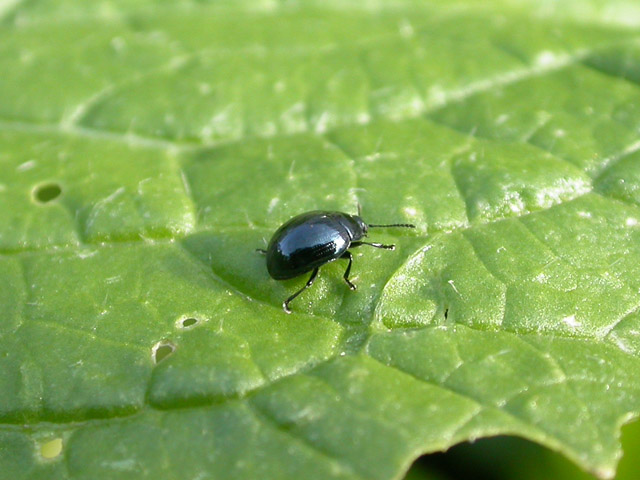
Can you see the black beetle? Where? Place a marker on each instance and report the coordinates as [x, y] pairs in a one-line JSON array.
[[311, 239]]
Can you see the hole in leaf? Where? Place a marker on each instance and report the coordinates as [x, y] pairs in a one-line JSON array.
[[187, 322], [51, 449], [162, 350], [47, 192]]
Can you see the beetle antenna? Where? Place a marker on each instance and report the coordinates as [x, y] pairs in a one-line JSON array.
[[405, 225], [359, 209]]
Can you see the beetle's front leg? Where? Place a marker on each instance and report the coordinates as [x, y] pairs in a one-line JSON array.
[[374, 244]]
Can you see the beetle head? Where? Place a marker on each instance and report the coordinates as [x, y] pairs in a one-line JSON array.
[[362, 226]]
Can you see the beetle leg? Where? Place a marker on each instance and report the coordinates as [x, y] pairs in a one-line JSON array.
[[374, 244], [347, 255], [261, 250], [285, 304]]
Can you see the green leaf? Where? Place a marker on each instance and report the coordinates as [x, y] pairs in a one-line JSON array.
[[148, 148]]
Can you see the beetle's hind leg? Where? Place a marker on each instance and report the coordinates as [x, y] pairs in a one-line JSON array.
[[261, 250], [285, 304], [347, 255]]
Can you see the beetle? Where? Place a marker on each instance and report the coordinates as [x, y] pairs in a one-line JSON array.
[[312, 239]]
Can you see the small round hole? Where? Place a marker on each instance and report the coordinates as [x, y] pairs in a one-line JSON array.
[[188, 322], [51, 449], [162, 350], [47, 192]]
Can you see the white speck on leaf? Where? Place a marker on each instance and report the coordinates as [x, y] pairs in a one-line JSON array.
[[26, 57], [272, 204], [502, 118], [185, 182], [417, 105], [571, 321], [546, 58], [290, 176], [363, 118], [102, 204], [410, 211], [141, 185], [406, 29], [204, 88], [28, 165], [322, 123], [541, 278], [436, 95], [118, 44]]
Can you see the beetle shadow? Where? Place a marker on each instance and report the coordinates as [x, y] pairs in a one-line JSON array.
[[225, 256], [231, 258]]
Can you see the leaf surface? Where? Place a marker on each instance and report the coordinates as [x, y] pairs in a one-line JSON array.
[[148, 149]]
